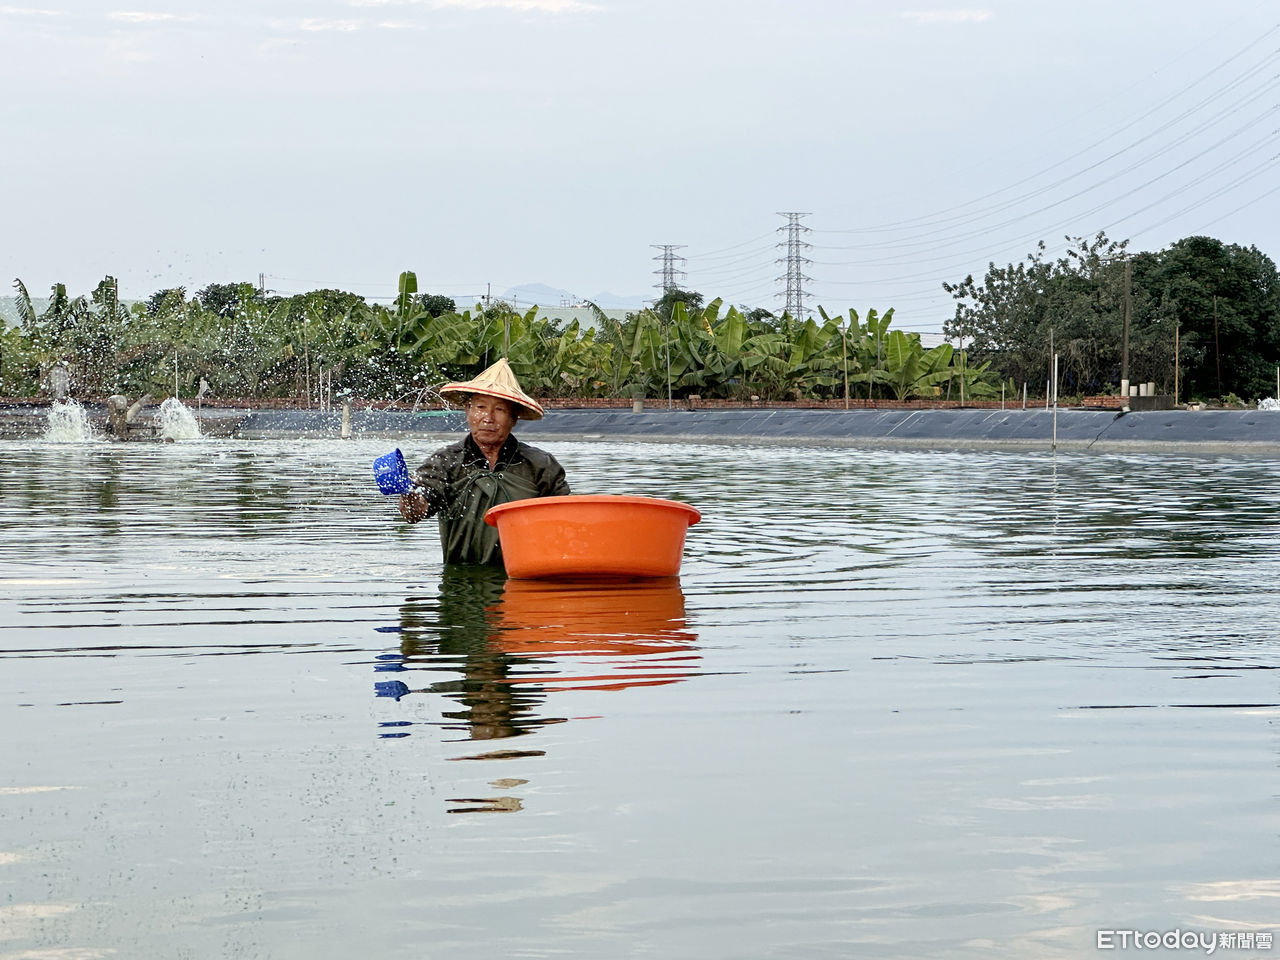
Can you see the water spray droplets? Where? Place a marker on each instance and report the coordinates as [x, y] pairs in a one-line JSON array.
[[68, 423], [176, 421]]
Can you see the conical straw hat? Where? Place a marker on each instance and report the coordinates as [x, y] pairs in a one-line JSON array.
[[496, 381]]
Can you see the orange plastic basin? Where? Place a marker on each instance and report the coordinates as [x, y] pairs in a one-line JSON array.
[[596, 537]]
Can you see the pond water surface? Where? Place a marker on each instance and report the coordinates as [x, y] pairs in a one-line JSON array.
[[900, 703]]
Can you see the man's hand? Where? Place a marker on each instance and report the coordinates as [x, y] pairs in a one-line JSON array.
[[413, 505]]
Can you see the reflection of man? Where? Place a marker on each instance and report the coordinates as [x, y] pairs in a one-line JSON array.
[[489, 466], [507, 643], [455, 634]]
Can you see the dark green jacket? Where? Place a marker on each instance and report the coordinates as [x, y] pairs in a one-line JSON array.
[[460, 487]]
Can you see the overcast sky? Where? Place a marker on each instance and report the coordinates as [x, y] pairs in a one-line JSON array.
[[334, 143]]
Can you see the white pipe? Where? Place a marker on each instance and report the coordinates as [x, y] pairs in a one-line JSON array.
[[1055, 401]]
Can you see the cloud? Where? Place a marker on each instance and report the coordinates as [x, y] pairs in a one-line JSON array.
[[30, 12], [947, 16], [317, 25], [520, 6], [145, 16], [276, 49], [523, 6]]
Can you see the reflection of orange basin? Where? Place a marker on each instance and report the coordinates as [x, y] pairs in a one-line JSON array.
[[592, 537], [633, 634]]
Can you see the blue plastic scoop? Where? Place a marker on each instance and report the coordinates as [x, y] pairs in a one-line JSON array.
[[392, 474]]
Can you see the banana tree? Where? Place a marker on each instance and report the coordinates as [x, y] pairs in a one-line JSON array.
[[612, 357], [50, 334], [850, 360], [909, 368], [765, 367], [448, 344], [408, 290], [698, 358], [576, 363], [731, 335], [532, 346], [976, 381], [19, 363], [648, 350], [868, 344], [94, 335], [718, 355], [817, 357]]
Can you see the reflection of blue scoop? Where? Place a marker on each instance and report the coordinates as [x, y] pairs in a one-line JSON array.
[[392, 474], [391, 688]]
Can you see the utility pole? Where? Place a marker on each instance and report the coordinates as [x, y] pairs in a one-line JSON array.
[[795, 260], [1217, 348], [844, 357], [1128, 306], [670, 273], [1128, 302], [1176, 325]]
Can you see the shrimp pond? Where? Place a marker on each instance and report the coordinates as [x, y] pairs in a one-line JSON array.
[[900, 703]]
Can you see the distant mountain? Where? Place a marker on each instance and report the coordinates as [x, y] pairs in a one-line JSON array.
[[539, 293], [9, 310], [544, 295], [612, 301]]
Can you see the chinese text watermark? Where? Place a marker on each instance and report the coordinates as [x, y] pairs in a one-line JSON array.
[[1206, 941]]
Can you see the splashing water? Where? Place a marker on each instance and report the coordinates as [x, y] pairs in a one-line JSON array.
[[176, 421], [1269, 403], [68, 423]]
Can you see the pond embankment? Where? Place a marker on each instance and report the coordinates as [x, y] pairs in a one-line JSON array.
[[1169, 430]]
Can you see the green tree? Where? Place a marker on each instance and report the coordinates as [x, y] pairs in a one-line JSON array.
[[691, 299], [19, 366], [1076, 303], [436, 304], [1219, 302], [1225, 300], [165, 301], [224, 298]]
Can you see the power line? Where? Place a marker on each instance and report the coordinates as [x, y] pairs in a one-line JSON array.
[[720, 276], [936, 218], [936, 241], [711, 254], [1161, 147]]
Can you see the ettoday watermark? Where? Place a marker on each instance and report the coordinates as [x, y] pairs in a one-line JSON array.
[[1206, 941]]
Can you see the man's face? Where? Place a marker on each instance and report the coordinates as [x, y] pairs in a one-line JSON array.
[[490, 420]]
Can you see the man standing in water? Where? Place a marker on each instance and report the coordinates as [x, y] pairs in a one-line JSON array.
[[460, 482]]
